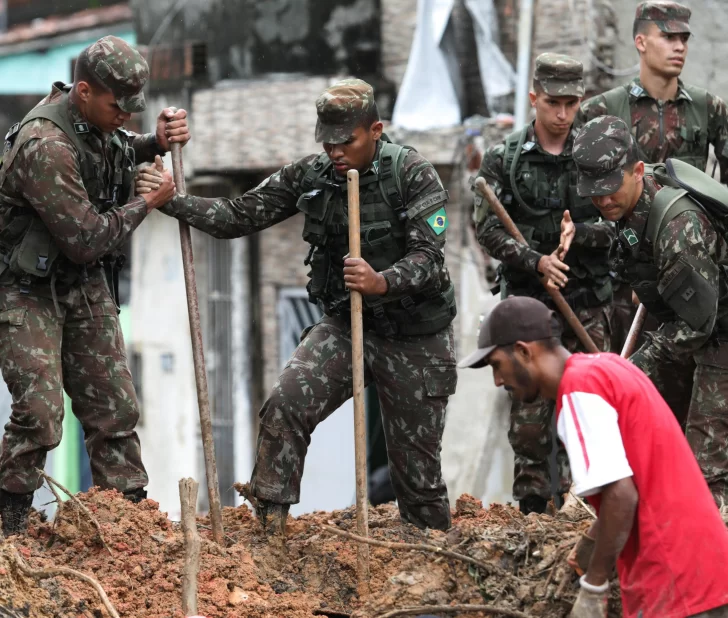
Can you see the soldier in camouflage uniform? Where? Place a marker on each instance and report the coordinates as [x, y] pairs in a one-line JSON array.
[[409, 302], [66, 206], [676, 262], [534, 176], [669, 119]]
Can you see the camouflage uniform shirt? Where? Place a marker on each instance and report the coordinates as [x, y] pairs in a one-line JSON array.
[[658, 127], [689, 235], [46, 176], [499, 243], [274, 200]]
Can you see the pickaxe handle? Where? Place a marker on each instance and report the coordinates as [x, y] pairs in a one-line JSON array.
[[555, 295], [634, 331], [198, 356]]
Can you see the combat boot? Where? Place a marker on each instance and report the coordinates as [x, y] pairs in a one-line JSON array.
[[14, 510], [272, 517], [533, 504], [135, 495]]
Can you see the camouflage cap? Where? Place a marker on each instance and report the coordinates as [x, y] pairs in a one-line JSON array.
[[602, 148], [122, 69], [559, 75], [341, 108], [669, 16]]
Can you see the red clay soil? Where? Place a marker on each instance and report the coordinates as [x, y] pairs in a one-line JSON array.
[[314, 574]]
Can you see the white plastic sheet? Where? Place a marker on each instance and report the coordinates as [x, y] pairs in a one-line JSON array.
[[496, 73], [428, 97]]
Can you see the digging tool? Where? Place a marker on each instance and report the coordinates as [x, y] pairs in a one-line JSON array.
[[198, 356], [555, 295], [634, 331], [357, 366], [188, 504]]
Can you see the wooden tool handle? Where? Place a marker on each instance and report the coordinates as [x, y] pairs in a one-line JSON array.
[[357, 365], [198, 356], [555, 295], [634, 331]]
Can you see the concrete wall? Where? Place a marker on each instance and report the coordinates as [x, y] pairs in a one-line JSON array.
[[248, 38], [707, 50], [583, 29], [161, 337]]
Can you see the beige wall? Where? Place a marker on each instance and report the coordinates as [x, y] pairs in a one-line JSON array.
[[708, 46]]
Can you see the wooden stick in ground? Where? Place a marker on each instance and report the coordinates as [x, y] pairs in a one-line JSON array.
[[191, 568], [53, 482], [198, 356], [429, 549], [454, 609], [65, 572], [634, 331], [357, 366], [556, 296]]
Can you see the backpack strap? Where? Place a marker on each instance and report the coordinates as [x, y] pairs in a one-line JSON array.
[[389, 172], [313, 173], [699, 112], [511, 157], [57, 113], [670, 202], [617, 100]]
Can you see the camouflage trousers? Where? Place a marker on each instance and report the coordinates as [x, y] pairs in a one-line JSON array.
[[81, 351], [414, 378], [531, 430], [697, 392]]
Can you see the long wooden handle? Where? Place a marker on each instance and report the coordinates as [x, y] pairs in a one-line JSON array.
[[191, 568], [198, 356], [555, 295], [634, 331], [357, 366]]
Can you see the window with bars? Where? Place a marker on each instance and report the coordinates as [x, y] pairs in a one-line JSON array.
[[219, 354]]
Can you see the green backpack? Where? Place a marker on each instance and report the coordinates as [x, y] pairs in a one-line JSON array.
[[685, 188]]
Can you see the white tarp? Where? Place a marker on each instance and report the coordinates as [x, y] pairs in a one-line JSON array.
[[496, 72], [428, 97]]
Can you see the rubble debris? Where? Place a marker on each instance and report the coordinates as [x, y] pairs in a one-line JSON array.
[[313, 574]]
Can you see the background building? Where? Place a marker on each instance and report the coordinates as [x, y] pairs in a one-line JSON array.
[[248, 73]]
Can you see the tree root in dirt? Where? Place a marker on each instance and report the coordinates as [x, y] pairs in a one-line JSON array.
[[51, 482], [433, 549], [454, 609], [64, 572]]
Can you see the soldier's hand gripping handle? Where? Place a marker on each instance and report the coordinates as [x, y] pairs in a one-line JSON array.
[[149, 178], [503, 216], [156, 184]]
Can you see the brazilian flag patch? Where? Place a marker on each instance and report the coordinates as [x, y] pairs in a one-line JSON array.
[[438, 222]]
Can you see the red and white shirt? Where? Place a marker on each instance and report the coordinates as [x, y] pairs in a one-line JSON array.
[[614, 425]]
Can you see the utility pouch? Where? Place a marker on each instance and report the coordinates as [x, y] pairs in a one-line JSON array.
[[319, 274], [36, 253]]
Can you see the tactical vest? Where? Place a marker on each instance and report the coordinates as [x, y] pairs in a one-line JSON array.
[[383, 242], [26, 245], [536, 201], [696, 192], [694, 148]]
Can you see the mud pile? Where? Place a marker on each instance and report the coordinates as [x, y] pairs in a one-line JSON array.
[[313, 574]]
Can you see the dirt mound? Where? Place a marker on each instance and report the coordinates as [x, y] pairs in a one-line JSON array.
[[313, 574]]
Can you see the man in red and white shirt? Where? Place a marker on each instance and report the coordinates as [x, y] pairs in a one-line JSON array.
[[629, 458]]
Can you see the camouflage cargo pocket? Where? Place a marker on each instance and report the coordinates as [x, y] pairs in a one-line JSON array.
[[23, 349]]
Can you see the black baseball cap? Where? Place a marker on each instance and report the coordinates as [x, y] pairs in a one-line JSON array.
[[517, 318]]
